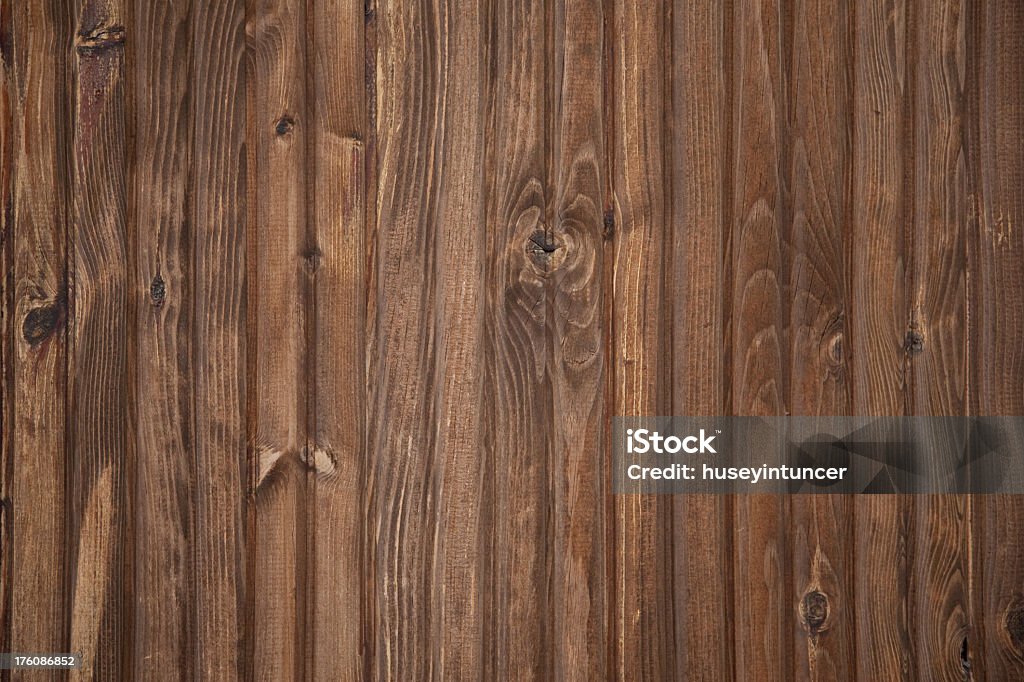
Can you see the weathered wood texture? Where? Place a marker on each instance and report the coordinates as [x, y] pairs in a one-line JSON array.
[[316, 312]]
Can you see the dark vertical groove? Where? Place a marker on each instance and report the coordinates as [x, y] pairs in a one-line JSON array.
[[131, 392], [727, 198], [552, 134], [485, 543], [488, 530], [192, 244], [728, 274], [667, 314], [311, 247], [908, 204], [728, 192], [65, 139], [193, 331], [849, 341], [372, 331], [251, 301], [611, 231], [6, 319], [909, 157], [971, 144], [784, 236], [65, 143]]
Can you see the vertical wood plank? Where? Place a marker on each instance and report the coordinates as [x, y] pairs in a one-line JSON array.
[[937, 372], [878, 328], [459, 329], [223, 474], [821, 526], [407, 94], [578, 375], [430, 324], [459, 332], [704, 645], [6, 310], [36, 219], [100, 385], [643, 629], [278, 295], [336, 257], [519, 412], [758, 384], [162, 282], [995, 125]]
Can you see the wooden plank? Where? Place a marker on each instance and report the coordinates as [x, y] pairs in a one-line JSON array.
[[995, 125], [821, 526], [519, 413], [459, 561], [37, 216], [759, 344], [336, 257], [6, 316], [937, 371], [578, 364], [878, 328], [165, 474], [430, 326], [100, 385], [459, 329], [702, 535], [643, 627], [279, 292], [223, 475]]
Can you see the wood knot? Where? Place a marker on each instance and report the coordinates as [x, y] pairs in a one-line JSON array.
[[541, 247], [284, 126], [834, 350], [157, 291], [100, 39], [312, 257], [814, 611], [6, 44], [609, 224], [914, 343], [965, 658], [1015, 626], [40, 323], [322, 462]]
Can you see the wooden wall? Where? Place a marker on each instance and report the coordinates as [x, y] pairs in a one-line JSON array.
[[316, 313]]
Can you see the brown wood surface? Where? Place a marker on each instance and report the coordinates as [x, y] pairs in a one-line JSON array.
[[316, 314]]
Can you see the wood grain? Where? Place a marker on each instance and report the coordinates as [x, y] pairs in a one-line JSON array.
[[702, 525], [578, 366], [164, 467], [100, 366], [879, 208], [6, 299], [36, 217], [644, 628], [336, 256], [758, 383], [817, 319], [224, 475], [937, 307], [316, 315], [428, 474], [995, 204], [279, 293], [518, 408]]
